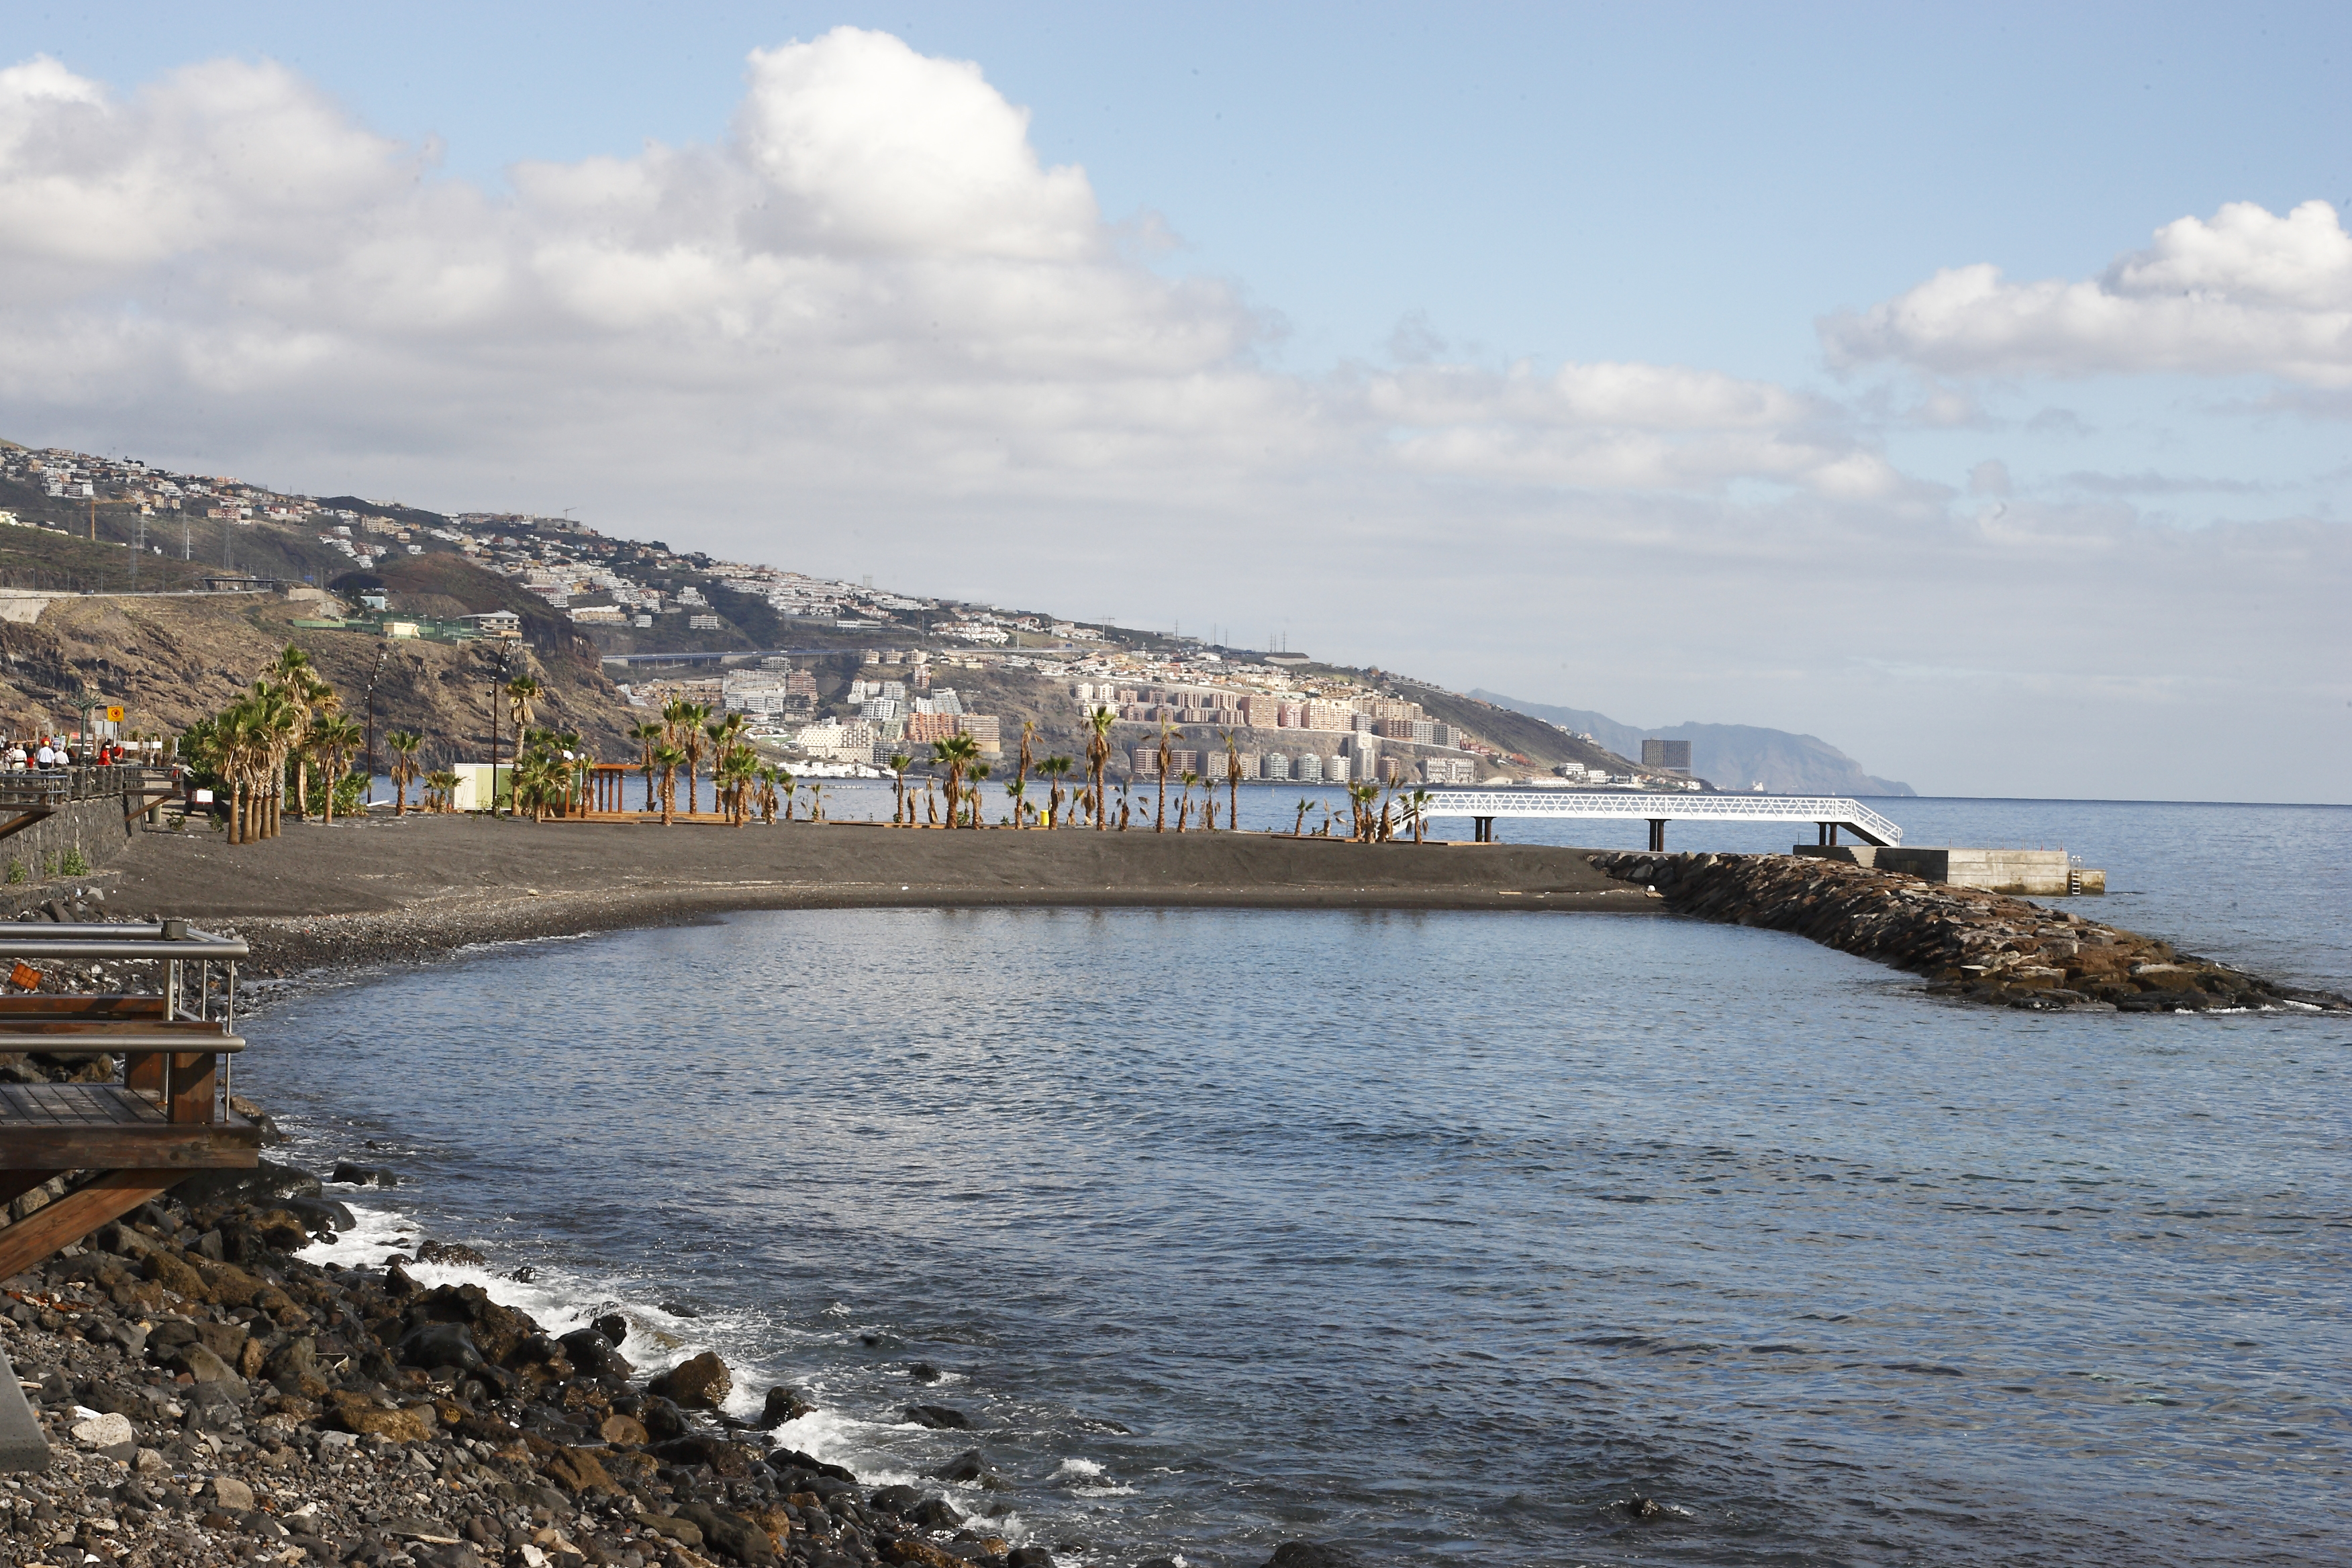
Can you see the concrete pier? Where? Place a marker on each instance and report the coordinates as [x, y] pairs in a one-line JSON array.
[[2032, 873]]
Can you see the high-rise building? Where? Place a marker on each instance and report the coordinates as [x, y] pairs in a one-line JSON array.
[[1273, 765], [1310, 768]]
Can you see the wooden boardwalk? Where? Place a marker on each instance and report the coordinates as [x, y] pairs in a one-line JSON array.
[[132, 1140]]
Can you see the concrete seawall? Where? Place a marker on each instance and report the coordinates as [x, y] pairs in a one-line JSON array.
[[1981, 945], [95, 827]]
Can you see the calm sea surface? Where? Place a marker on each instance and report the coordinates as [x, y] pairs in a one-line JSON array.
[[1440, 1235]]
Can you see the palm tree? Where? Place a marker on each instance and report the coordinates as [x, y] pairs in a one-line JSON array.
[[521, 692], [332, 739], [299, 682], [1298, 829], [899, 763], [1017, 791], [667, 757], [1028, 727], [790, 787], [689, 739], [817, 800], [403, 744], [1184, 801], [980, 771], [440, 789], [739, 773], [1232, 783], [955, 753], [1416, 811], [1055, 770], [1159, 823], [767, 774], [648, 735], [1122, 805], [1098, 755]]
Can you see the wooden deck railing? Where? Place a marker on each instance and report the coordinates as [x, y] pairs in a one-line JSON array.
[[166, 1117]]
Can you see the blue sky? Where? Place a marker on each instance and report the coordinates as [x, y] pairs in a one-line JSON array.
[[1369, 189]]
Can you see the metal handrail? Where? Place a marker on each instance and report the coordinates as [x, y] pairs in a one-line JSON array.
[[1687, 805]]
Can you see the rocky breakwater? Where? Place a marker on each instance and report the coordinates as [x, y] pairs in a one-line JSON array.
[[211, 1398], [1985, 947]]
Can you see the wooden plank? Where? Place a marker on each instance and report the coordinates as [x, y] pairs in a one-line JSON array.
[[105, 1104], [106, 1007], [79, 1212], [219, 1145]]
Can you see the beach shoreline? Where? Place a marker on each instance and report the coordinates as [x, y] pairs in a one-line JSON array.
[[411, 890]]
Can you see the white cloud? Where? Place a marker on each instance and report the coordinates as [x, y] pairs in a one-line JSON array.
[[872, 281], [871, 330], [2248, 292]]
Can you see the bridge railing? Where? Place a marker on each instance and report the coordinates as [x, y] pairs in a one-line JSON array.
[[1679, 807]]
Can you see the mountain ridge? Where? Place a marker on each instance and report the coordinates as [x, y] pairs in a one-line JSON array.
[[1731, 756]]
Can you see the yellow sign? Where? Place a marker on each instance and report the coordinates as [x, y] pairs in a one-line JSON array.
[[114, 714]]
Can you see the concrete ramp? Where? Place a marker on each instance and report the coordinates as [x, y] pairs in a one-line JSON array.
[[22, 1447]]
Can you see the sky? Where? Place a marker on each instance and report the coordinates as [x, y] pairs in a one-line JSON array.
[[1969, 387]]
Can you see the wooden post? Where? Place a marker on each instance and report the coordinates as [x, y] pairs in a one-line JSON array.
[[193, 1075]]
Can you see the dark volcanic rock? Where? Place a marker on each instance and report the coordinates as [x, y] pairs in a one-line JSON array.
[[1314, 1554], [783, 1405], [939, 1418], [700, 1382], [1980, 946]]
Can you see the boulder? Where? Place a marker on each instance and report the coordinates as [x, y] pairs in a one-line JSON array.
[[111, 1435], [968, 1468], [431, 1345], [346, 1174], [613, 1326], [577, 1471], [449, 1254], [232, 1495], [698, 1383], [175, 1276], [592, 1354], [267, 1184], [624, 1431], [939, 1418], [1313, 1554], [731, 1532], [368, 1418], [783, 1405]]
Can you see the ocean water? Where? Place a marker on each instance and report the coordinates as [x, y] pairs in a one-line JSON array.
[[1442, 1235]]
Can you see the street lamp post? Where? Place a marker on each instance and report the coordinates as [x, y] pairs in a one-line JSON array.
[[382, 650]]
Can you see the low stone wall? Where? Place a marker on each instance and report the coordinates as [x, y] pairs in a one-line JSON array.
[[1982, 945], [95, 827]]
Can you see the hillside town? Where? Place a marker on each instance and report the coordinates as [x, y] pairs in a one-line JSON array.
[[833, 676]]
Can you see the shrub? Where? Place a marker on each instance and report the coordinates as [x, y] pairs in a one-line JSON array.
[[75, 864], [17, 872]]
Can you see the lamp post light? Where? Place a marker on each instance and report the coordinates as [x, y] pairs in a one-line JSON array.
[[498, 685], [383, 650]]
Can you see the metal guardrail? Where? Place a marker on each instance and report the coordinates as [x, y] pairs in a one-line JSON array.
[[1687, 806], [49, 788]]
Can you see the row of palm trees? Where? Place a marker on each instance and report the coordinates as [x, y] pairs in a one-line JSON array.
[[958, 758], [292, 718]]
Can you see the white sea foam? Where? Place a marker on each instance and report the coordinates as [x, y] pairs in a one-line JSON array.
[[1079, 1467]]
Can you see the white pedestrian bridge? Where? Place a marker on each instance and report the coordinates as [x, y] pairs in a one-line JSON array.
[[1826, 812]]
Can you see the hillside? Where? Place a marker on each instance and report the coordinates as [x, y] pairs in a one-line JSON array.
[[1734, 756], [174, 659]]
